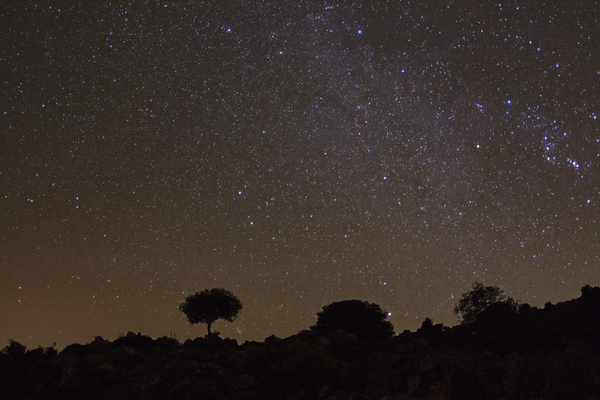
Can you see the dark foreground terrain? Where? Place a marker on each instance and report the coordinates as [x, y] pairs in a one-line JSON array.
[[549, 353]]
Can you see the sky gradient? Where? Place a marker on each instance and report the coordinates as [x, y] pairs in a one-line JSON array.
[[295, 153]]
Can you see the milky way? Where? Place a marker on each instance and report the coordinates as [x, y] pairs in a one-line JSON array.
[[295, 153]]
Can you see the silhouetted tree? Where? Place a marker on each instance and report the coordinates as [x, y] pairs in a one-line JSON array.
[[14, 349], [500, 308], [427, 324], [210, 305], [525, 309], [586, 290], [365, 320], [590, 291], [478, 299]]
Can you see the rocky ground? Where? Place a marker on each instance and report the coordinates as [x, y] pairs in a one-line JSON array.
[[549, 353], [309, 365]]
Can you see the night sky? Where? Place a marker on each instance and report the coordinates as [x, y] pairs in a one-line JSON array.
[[296, 153]]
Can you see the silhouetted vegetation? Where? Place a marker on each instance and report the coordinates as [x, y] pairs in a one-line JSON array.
[[210, 305], [363, 319], [479, 299], [507, 351]]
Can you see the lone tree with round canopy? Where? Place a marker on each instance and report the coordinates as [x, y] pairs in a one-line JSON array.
[[479, 299], [210, 305], [365, 320]]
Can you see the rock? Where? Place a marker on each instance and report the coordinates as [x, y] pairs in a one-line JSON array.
[[93, 360], [70, 377], [105, 370], [414, 380], [245, 382]]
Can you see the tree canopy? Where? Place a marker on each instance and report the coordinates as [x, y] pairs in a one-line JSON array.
[[480, 298], [210, 305], [365, 320]]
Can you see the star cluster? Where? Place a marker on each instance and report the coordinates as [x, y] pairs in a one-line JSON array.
[[295, 153]]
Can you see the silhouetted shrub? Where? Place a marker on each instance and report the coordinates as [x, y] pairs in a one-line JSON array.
[[139, 342], [365, 320], [525, 309], [588, 290], [478, 299], [427, 324], [14, 350], [76, 349], [50, 352], [167, 343]]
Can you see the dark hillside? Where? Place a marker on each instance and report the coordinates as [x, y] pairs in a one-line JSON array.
[[549, 353]]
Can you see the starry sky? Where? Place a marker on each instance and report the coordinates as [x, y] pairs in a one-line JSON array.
[[296, 153]]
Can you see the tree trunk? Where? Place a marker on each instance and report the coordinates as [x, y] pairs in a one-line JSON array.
[[209, 324]]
